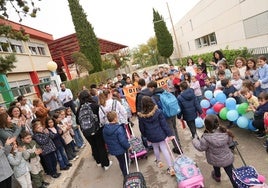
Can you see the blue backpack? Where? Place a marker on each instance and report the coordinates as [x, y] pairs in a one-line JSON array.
[[169, 104]]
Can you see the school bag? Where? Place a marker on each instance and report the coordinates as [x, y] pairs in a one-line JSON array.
[[169, 104], [88, 120]]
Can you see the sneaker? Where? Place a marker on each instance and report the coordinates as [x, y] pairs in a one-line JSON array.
[[69, 165], [217, 179], [56, 175], [107, 167], [261, 135], [84, 145], [171, 171], [159, 164], [98, 164], [65, 168]]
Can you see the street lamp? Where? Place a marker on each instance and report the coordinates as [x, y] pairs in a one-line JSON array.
[[52, 67]]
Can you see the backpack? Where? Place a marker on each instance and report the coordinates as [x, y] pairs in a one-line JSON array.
[[88, 120], [169, 104]]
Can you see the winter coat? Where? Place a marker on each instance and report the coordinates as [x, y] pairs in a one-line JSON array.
[[216, 146], [56, 137], [19, 164], [259, 113], [142, 93], [153, 125], [34, 159], [189, 105], [66, 133], [116, 138], [6, 170], [45, 142]]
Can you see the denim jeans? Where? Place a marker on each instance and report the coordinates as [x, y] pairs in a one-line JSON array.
[[62, 158], [78, 138]]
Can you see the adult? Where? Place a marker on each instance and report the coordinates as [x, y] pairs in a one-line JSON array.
[[66, 97], [6, 170], [27, 109], [135, 78], [96, 141], [51, 100], [217, 58], [41, 111]]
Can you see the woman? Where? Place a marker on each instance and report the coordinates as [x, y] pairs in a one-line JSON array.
[[217, 58], [18, 118], [96, 141], [41, 111]]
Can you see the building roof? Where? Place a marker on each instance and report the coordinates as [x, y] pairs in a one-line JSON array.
[[34, 33], [64, 47]]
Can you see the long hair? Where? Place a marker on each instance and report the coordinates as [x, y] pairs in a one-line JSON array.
[[84, 97], [147, 104], [3, 120], [11, 108], [103, 97], [220, 54]]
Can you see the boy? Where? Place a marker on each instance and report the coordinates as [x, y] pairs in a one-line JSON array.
[[251, 99], [115, 137], [209, 86], [237, 81], [229, 90], [221, 76]]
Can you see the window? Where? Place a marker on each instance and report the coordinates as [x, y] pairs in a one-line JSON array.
[[4, 47], [21, 87], [16, 48], [33, 50], [41, 50], [207, 40], [256, 25]]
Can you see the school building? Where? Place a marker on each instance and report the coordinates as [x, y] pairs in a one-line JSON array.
[[216, 24]]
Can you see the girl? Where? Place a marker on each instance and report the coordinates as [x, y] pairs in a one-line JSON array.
[[41, 111], [191, 67], [196, 87], [240, 64], [71, 118], [55, 134], [251, 71], [224, 66], [154, 127], [215, 142], [135, 78], [59, 119], [20, 166], [42, 138], [200, 76]]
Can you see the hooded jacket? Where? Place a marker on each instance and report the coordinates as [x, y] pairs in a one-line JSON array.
[[189, 105], [116, 138], [154, 126], [216, 146], [142, 93]]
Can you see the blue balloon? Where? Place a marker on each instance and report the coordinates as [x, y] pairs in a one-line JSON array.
[[205, 103], [199, 123], [208, 94], [210, 111], [221, 97], [250, 126], [242, 122], [232, 115], [230, 103], [213, 101]]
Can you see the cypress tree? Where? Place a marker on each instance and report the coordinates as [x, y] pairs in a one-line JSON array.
[[87, 39], [164, 38]]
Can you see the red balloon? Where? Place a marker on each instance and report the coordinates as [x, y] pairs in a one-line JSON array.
[[218, 106], [266, 121]]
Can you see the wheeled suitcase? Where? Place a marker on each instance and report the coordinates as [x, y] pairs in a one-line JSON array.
[[136, 145], [187, 173], [134, 179]]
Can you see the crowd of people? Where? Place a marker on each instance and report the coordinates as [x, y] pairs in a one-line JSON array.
[[47, 133]]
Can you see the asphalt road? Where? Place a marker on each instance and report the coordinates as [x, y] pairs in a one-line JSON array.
[[90, 176]]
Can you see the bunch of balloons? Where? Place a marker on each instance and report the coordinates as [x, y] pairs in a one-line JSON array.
[[227, 108]]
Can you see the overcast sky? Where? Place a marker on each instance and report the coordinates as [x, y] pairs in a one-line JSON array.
[[127, 22]]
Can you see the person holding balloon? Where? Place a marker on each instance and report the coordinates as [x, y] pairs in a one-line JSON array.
[[258, 121]]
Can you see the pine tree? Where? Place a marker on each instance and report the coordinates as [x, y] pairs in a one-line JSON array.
[[164, 38], [87, 39]]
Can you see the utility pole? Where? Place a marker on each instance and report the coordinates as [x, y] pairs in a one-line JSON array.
[[175, 36]]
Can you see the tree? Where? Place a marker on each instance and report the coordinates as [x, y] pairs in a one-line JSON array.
[[7, 63], [88, 42], [81, 62], [163, 36], [21, 7]]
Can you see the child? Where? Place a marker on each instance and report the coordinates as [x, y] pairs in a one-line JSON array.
[[229, 90], [76, 131], [209, 86], [236, 81], [258, 121], [170, 85], [153, 126], [262, 71], [41, 136], [221, 76], [266, 131], [251, 99], [20, 166], [196, 87], [251, 72], [215, 142], [200, 76], [35, 166], [191, 67], [240, 65], [224, 66], [55, 134], [189, 106], [115, 137]]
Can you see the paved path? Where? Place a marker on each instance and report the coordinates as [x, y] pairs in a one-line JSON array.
[[89, 175]]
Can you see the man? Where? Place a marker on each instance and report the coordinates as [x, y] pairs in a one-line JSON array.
[[66, 97], [50, 100]]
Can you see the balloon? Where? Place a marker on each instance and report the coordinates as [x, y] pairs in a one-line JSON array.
[[221, 97], [266, 121], [223, 113], [230, 103], [210, 111], [216, 92], [212, 101], [242, 122], [217, 107], [250, 126], [208, 94], [242, 108], [232, 115], [199, 123], [205, 103]]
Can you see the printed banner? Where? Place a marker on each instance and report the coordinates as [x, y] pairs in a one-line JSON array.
[[162, 83], [130, 94]]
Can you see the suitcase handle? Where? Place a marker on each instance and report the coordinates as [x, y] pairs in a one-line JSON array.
[[177, 144], [136, 162]]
